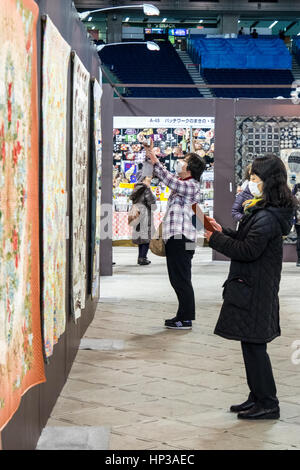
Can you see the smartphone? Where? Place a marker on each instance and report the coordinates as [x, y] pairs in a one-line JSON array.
[[146, 142], [203, 218]]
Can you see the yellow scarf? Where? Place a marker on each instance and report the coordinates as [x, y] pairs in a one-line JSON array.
[[250, 203]]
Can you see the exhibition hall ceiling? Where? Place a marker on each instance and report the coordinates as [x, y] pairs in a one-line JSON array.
[[187, 13]]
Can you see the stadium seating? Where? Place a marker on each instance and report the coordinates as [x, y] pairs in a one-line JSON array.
[[235, 76], [296, 49], [136, 64], [240, 53], [243, 61]]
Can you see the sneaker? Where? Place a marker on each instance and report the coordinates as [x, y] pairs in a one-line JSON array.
[[176, 324]]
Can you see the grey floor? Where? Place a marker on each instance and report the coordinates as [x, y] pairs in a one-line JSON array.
[[136, 385]]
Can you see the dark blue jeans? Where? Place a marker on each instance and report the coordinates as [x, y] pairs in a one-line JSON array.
[[143, 250]]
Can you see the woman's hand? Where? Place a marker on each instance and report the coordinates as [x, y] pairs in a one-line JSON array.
[[149, 152], [207, 235], [215, 224]]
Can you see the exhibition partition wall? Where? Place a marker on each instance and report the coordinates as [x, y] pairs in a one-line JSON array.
[[50, 136], [273, 126]]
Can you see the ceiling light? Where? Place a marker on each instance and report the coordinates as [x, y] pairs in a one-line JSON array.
[[273, 24], [127, 19], [200, 21], [150, 10], [298, 34], [93, 27], [152, 46], [90, 18], [164, 20]]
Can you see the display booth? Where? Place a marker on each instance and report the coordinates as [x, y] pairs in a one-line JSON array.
[[173, 137], [243, 129]]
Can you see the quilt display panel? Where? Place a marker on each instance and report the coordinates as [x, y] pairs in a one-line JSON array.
[[80, 142], [55, 84], [97, 169], [21, 358], [256, 135]]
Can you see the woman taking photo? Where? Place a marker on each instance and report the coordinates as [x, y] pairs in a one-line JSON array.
[[250, 311]]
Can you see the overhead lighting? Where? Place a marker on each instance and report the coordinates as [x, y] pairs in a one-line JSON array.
[[164, 20], [127, 19], [152, 46], [273, 24], [90, 18], [200, 21], [149, 10], [93, 27], [298, 34], [239, 21]]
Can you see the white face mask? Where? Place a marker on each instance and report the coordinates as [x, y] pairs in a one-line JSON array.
[[179, 166], [254, 190]]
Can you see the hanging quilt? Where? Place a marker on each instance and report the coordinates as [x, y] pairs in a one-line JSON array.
[[96, 181], [55, 84], [80, 141], [258, 135], [21, 358]]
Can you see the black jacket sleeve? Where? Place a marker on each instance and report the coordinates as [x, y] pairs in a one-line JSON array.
[[229, 232], [252, 247]]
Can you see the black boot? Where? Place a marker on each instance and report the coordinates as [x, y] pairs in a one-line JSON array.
[[243, 406], [298, 262], [258, 412], [143, 261]]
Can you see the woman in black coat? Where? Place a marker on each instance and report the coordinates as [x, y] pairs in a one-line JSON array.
[[250, 311], [143, 231]]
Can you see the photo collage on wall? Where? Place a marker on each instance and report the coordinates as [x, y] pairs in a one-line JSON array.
[[173, 138], [169, 145], [256, 136]]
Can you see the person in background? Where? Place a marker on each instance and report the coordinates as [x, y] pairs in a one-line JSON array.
[[250, 311], [296, 193], [208, 160], [241, 31], [143, 231], [178, 231], [245, 183], [254, 34], [243, 194], [281, 34]]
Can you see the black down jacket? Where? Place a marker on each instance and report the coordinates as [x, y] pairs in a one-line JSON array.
[[250, 310]]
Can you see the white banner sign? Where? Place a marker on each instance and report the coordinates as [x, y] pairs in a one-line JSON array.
[[144, 122]]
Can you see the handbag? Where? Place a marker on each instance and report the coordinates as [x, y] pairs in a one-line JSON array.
[[133, 215], [157, 244]]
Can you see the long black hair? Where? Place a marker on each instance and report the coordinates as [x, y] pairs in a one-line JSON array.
[[271, 170]]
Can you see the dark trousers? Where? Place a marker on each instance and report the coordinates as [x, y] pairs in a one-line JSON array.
[[260, 375], [297, 227], [143, 250], [179, 264]]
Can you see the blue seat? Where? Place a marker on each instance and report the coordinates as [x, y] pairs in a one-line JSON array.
[[256, 77], [134, 63]]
